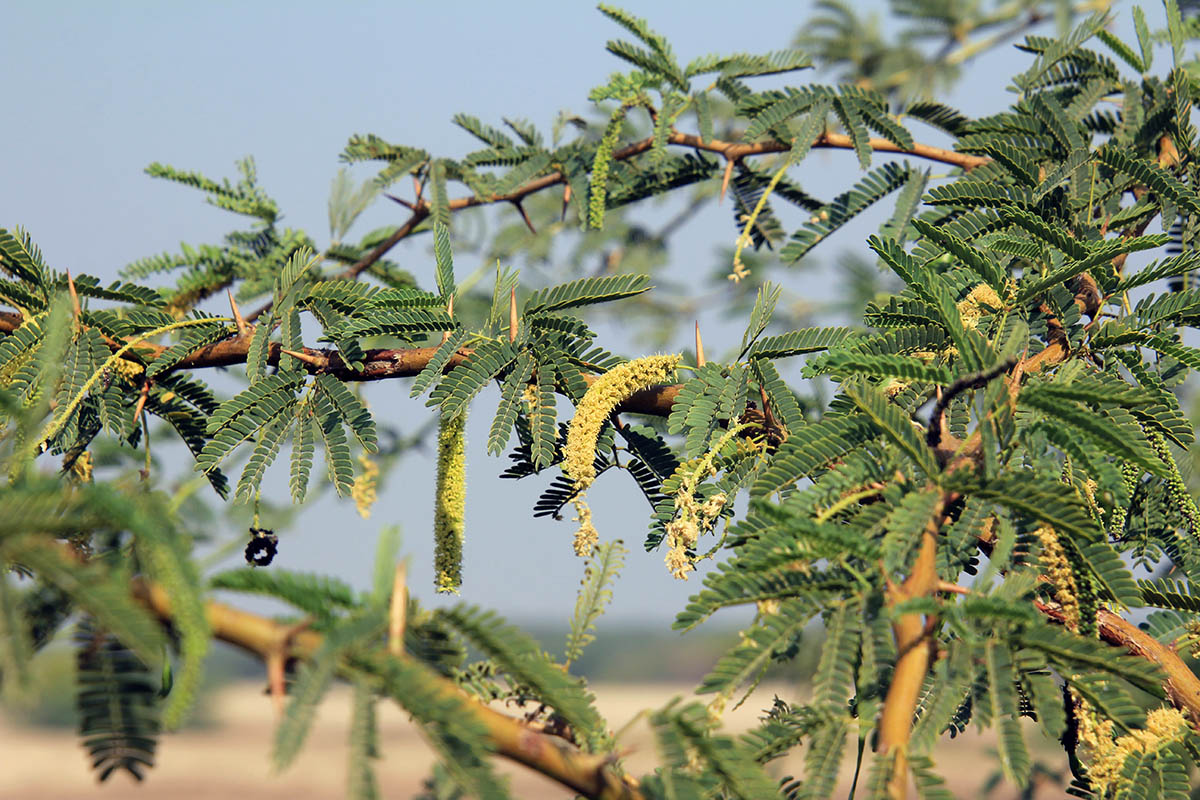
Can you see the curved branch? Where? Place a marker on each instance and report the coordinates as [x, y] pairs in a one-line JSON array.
[[586, 773], [731, 151]]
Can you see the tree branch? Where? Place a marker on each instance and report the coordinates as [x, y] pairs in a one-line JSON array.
[[1182, 685], [914, 645], [731, 151], [588, 774]]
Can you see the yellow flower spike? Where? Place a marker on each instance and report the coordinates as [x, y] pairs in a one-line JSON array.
[[587, 536], [366, 485], [1164, 726], [449, 504], [971, 307], [1058, 570], [601, 399]]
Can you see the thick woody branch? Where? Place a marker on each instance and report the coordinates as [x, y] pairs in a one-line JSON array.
[[1182, 686], [914, 645], [588, 774]]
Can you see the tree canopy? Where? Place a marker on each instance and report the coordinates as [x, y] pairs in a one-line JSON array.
[[977, 485]]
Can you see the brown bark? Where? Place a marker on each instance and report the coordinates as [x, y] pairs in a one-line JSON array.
[[588, 774]]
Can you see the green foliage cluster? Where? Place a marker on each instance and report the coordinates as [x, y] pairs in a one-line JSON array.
[[999, 463]]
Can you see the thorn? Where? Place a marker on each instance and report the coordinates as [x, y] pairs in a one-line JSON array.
[[450, 313], [243, 327], [316, 361], [512, 315], [74, 295], [401, 201], [772, 423], [566, 200], [524, 216], [729, 162], [398, 612], [417, 187], [700, 361], [141, 402]]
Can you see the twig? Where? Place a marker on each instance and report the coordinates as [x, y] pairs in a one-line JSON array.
[[978, 380], [732, 151]]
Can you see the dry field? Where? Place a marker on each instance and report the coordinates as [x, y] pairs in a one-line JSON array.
[[229, 757]]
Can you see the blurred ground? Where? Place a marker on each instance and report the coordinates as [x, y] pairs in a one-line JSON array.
[[229, 756]]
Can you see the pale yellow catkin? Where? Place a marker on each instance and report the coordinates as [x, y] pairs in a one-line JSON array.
[[1058, 571], [973, 305], [450, 504], [366, 485], [601, 399]]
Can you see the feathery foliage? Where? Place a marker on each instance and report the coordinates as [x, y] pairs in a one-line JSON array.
[[975, 485]]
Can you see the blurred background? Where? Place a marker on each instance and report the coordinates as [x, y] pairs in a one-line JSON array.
[[97, 91]]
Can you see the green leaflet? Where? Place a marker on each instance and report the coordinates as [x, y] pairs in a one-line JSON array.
[[761, 644], [877, 184], [1112, 432], [364, 748], [893, 366], [444, 274], [22, 258], [317, 595], [586, 291], [680, 729], [1166, 593], [811, 447], [520, 656], [893, 423], [314, 680], [1014, 754], [595, 592], [240, 418], [1044, 500], [117, 702], [459, 387], [103, 595], [512, 393]]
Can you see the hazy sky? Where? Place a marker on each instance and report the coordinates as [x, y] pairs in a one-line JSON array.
[[99, 90]]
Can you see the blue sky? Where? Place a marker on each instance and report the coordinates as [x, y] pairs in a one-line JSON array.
[[99, 90]]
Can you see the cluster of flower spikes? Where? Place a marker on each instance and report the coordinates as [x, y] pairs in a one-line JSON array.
[[692, 516], [598, 403]]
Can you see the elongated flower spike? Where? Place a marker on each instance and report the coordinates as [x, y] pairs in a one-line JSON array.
[[601, 399], [596, 406], [449, 504]]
